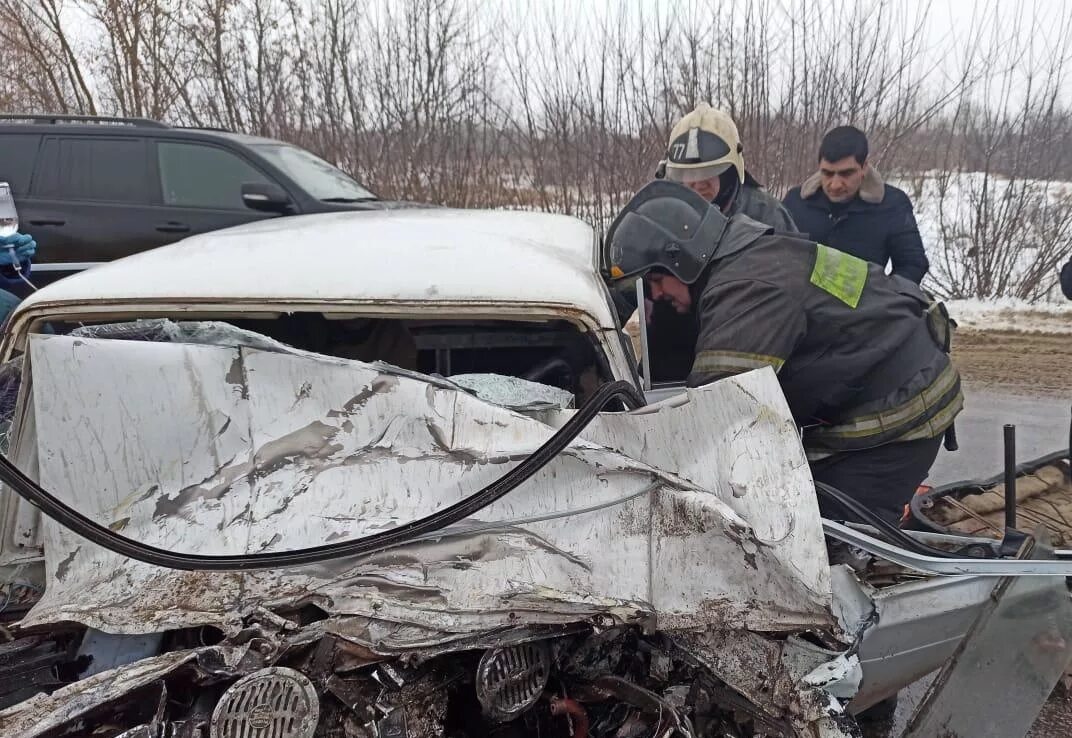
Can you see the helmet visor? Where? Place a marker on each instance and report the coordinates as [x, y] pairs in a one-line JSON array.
[[665, 226], [633, 246], [689, 174]]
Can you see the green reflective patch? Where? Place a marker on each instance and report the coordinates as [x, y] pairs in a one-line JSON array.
[[842, 275]]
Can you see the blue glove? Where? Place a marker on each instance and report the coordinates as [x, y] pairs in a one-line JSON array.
[[24, 248]]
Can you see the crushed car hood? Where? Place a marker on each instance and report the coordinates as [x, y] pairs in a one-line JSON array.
[[229, 450]]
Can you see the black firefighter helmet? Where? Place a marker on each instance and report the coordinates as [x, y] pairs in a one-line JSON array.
[[665, 226]]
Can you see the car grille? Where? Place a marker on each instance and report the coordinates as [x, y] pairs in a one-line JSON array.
[[270, 703], [511, 679]]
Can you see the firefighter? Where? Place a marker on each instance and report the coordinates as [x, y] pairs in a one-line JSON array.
[[705, 154], [862, 356]]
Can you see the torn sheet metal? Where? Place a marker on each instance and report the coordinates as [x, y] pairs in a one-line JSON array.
[[716, 679], [930, 614], [840, 677], [790, 680], [1007, 665], [220, 450], [44, 713], [740, 443]]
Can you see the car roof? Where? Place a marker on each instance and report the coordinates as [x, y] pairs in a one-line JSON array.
[[240, 138], [408, 255], [83, 126]]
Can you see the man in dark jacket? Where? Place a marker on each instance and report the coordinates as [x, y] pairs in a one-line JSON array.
[[705, 154], [862, 356], [846, 205]]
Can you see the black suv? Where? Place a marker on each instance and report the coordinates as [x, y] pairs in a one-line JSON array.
[[92, 189]]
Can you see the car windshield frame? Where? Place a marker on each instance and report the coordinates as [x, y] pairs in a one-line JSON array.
[[322, 180]]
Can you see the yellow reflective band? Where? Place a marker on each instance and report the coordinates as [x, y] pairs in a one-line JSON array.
[[733, 362], [842, 275], [937, 425], [903, 414], [933, 428]]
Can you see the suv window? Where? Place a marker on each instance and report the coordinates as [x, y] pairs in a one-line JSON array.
[[196, 176], [93, 168], [17, 154]]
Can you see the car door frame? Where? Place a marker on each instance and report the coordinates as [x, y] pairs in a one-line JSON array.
[[37, 201], [267, 172]]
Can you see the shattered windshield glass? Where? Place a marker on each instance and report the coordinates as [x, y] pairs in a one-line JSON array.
[[162, 330], [10, 381]]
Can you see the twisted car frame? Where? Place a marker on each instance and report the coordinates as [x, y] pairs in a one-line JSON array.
[[226, 515]]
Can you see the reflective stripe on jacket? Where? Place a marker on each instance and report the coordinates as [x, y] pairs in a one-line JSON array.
[[856, 351]]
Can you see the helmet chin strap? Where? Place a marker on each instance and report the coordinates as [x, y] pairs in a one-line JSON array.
[[729, 185]]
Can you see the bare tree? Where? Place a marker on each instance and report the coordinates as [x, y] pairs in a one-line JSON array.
[[1004, 220], [537, 105], [48, 70]]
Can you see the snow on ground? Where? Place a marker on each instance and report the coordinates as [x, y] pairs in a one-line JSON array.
[[948, 206], [1006, 314]]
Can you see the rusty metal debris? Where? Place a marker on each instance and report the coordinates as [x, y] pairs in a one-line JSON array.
[[1043, 497], [600, 683]]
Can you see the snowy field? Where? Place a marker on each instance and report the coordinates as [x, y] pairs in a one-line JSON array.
[[958, 213], [948, 209], [1006, 314]]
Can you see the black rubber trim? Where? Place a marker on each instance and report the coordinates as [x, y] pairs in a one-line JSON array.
[[89, 529], [890, 532], [1027, 467]]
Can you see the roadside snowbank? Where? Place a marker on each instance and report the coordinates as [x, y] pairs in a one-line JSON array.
[[1007, 314]]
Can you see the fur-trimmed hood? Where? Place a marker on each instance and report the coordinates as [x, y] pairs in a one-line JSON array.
[[872, 190]]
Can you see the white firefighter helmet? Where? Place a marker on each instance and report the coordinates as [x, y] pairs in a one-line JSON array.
[[704, 144]]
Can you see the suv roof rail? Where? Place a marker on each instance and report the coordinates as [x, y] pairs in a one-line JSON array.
[[62, 118], [206, 128]]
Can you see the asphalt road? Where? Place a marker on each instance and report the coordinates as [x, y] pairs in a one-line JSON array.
[[1042, 426]]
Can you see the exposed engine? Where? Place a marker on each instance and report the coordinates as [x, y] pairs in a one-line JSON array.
[[617, 683]]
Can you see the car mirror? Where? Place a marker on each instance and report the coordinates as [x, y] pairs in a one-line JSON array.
[[265, 197]]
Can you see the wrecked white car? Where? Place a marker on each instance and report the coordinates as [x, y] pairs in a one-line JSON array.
[[253, 526]]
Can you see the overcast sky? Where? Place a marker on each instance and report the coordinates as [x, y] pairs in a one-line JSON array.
[[1027, 31]]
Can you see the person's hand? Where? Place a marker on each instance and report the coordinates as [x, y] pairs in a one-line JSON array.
[[16, 257], [18, 247]]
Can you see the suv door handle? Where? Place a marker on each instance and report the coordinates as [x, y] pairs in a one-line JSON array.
[[173, 227], [48, 222]]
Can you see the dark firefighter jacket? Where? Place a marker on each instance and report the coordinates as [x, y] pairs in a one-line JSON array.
[[877, 225], [672, 337], [758, 204], [861, 355]]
